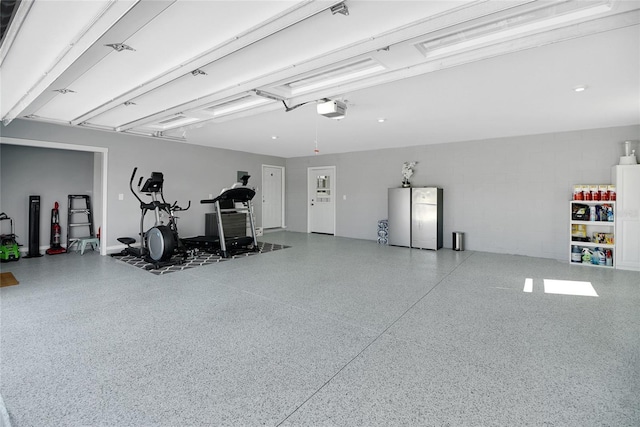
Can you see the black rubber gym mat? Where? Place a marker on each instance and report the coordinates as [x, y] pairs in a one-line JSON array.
[[200, 259]]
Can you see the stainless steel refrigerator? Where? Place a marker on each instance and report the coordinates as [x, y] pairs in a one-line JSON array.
[[415, 217]]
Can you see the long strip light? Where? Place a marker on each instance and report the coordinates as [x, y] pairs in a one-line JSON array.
[[335, 80], [182, 120], [240, 106], [451, 44]]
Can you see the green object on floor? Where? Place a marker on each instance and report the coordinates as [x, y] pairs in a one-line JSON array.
[[9, 250]]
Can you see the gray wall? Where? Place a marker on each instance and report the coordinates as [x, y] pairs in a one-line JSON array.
[[191, 172], [509, 195], [50, 174]]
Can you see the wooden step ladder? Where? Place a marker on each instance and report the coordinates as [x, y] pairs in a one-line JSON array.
[[80, 218]]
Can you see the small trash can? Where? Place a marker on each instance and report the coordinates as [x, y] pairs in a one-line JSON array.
[[458, 241]]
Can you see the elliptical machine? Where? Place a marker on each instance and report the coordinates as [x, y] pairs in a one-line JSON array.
[[160, 243]]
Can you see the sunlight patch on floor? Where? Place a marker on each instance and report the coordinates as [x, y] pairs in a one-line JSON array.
[[562, 287], [569, 287]]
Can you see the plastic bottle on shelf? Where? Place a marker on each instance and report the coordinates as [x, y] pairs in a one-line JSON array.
[[609, 259], [576, 255], [592, 213]]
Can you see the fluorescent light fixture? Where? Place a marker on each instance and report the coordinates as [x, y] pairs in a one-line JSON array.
[[173, 122], [331, 75], [274, 137], [513, 26], [335, 80], [239, 106], [569, 287], [382, 120], [528, 285], [580, 88], [268, 95]]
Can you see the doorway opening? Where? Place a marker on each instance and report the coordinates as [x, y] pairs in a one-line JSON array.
[[100, 160]]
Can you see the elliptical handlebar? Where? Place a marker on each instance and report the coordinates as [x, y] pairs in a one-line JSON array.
[[176, 208], [133, 175], [168, 207]]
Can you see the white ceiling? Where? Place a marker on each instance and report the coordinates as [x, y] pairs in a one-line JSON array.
[[512, 84]]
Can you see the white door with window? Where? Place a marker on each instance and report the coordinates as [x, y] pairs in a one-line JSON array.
[[272, 196], [321, 198]]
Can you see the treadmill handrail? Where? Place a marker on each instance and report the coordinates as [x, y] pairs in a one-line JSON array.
[[240, 194]]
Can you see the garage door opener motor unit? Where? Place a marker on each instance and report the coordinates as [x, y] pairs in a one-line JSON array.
[[332, 109]]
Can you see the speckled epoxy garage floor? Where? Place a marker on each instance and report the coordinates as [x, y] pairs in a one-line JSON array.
[[329, 332]]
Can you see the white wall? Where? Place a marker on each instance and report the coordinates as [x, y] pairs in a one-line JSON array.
[[509, 195], [191, 172]]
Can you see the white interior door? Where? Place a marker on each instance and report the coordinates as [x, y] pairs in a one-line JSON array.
[[272, 196], [321, 196]]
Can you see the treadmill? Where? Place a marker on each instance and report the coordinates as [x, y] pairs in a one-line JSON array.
[[227, 202]]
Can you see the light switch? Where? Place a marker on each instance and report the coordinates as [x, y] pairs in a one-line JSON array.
[[344, 197], [120, 196]]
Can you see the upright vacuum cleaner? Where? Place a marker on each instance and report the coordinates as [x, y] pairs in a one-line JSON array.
[[56, 233]]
